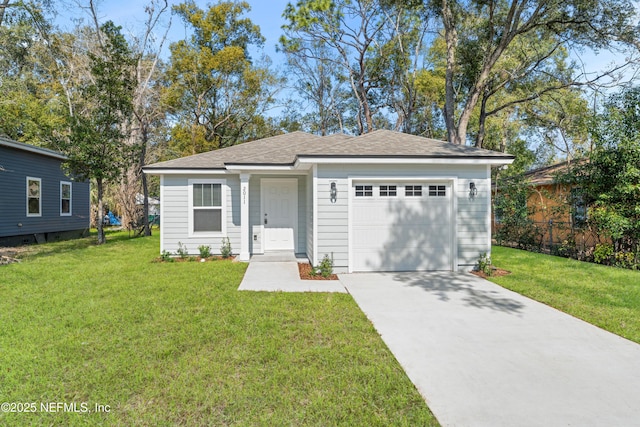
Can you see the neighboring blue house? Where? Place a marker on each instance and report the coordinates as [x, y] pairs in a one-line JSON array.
[[38, 201]]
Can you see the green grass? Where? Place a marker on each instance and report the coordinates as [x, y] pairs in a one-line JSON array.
[[177, 344], [607, 297]]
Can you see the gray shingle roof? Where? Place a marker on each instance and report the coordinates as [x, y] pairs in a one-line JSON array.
[[287, 148]]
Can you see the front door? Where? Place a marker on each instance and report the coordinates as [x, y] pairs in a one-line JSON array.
[[279, 213]]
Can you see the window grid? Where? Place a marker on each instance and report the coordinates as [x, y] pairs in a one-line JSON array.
[[413, 190], [65, 198], [34, 196], [437, 191], [364, 190], [207, 207], [388, 191]]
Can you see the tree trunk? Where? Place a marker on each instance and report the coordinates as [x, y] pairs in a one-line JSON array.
[[451, 39], [101, 236], [145, 186]]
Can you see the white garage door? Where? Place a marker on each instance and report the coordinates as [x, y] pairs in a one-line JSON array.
[[401, 226]]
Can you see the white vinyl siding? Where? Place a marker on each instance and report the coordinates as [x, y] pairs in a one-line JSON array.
[[470, 219], [176, 213]]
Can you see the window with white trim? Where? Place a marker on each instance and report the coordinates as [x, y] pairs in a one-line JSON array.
[[364, 190], [437, 191], [413, 190], [65, 198], [207, 207], [34, 196], [388, 191]]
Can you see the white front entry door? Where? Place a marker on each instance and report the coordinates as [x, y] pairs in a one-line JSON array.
[[279, 213]]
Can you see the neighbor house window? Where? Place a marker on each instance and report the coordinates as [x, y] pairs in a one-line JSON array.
[[207, 207], [413, 190], [65, 198], [34, 196], [437, 190], [388, 191], [364, 190], [578, 208]]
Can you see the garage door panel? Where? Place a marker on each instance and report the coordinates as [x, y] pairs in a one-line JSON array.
[[401, 233]]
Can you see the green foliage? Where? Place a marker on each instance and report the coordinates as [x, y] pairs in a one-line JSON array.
[[182, 251], [603, 253], [166, 256], [205, 251], [484, 264], [610, 179], [514, 225], [225, 249], [214, 94], [325, 268]]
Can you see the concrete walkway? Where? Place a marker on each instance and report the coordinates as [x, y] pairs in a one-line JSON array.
[[484, 356], [275, 272]]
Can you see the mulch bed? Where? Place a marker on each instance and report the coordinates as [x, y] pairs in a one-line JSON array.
[[195, 259], [305, 273], [495, 272]]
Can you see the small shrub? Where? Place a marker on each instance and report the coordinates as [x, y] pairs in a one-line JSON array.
[[182, 251], [484, 264], [225, 249], [205, 251], [166, 256], [603, 253], [324, 269]]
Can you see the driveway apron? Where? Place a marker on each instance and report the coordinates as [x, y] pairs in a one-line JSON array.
[[484, 356]]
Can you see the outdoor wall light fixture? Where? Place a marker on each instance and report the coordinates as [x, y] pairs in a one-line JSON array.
[[334, 192], [473, 191]]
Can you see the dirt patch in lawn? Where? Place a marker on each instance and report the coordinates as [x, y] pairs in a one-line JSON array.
[[305, 271], [495, 272]]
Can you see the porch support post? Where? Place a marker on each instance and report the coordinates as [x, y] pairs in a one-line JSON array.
[[244, 217]]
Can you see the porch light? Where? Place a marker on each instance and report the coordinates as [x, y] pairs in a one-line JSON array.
[[334, 192], [473, 191]]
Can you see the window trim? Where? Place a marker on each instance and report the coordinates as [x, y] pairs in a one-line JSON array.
[[39, 214], [63, 183], [223, 208]]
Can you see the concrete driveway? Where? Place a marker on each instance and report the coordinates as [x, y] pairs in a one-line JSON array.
[[485, 356]]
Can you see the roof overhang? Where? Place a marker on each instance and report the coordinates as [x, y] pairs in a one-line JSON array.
[[186, 171], [32, 149], [488, 160]]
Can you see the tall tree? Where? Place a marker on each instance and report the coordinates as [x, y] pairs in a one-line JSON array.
[[96, 145], [480, 34], [213, 92], [352, 30]]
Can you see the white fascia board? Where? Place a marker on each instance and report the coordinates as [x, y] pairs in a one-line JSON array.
[[407, 160], [185, 171]]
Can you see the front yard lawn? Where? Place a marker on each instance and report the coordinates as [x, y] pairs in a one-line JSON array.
[[177, 344], [607, 297]]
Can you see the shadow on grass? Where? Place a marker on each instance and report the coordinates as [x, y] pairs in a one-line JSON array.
[[446, 284], [66, 246]]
